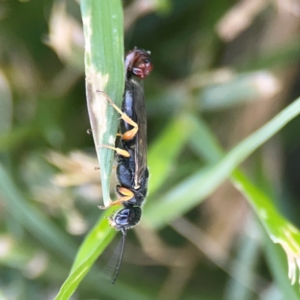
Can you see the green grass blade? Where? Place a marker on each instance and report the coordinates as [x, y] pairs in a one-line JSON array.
[[92, 247], [278, 266], [104, 68], [99, 236], [94, 244], [201, 184], [103, 30], [279, 229]]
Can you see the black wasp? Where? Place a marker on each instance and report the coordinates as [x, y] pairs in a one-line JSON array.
[[132, 171]]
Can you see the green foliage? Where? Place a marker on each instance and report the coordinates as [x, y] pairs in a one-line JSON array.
[[204, 96], [104, 69]]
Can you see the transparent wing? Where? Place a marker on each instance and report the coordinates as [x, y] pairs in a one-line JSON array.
[[141, 137]]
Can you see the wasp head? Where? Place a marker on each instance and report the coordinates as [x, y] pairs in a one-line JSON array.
[[125, 218], [138, 63]]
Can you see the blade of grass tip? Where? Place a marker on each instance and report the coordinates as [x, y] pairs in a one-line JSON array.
[[104, 68], [276, 261], [31, 219], [201, 184], [278, 228]]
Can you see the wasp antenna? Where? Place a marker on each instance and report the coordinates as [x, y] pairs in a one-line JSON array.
[[124, 232]]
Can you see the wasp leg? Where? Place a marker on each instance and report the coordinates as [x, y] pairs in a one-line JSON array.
[[118, 150], [128, 135], [126, 196], [126, 193]]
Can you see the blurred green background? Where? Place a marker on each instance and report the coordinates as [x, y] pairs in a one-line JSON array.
[[229, 65]]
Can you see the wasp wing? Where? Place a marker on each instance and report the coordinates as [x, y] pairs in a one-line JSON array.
[[141, 136]]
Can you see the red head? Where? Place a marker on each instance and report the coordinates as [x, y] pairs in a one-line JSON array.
[[138, 63]]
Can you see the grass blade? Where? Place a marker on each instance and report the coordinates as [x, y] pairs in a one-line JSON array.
[[201, 184], [101, 234], [92, 247], [104, 68], [94, 244], [278, 228]]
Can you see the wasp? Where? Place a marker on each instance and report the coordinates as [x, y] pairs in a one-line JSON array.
[[132, 172]]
